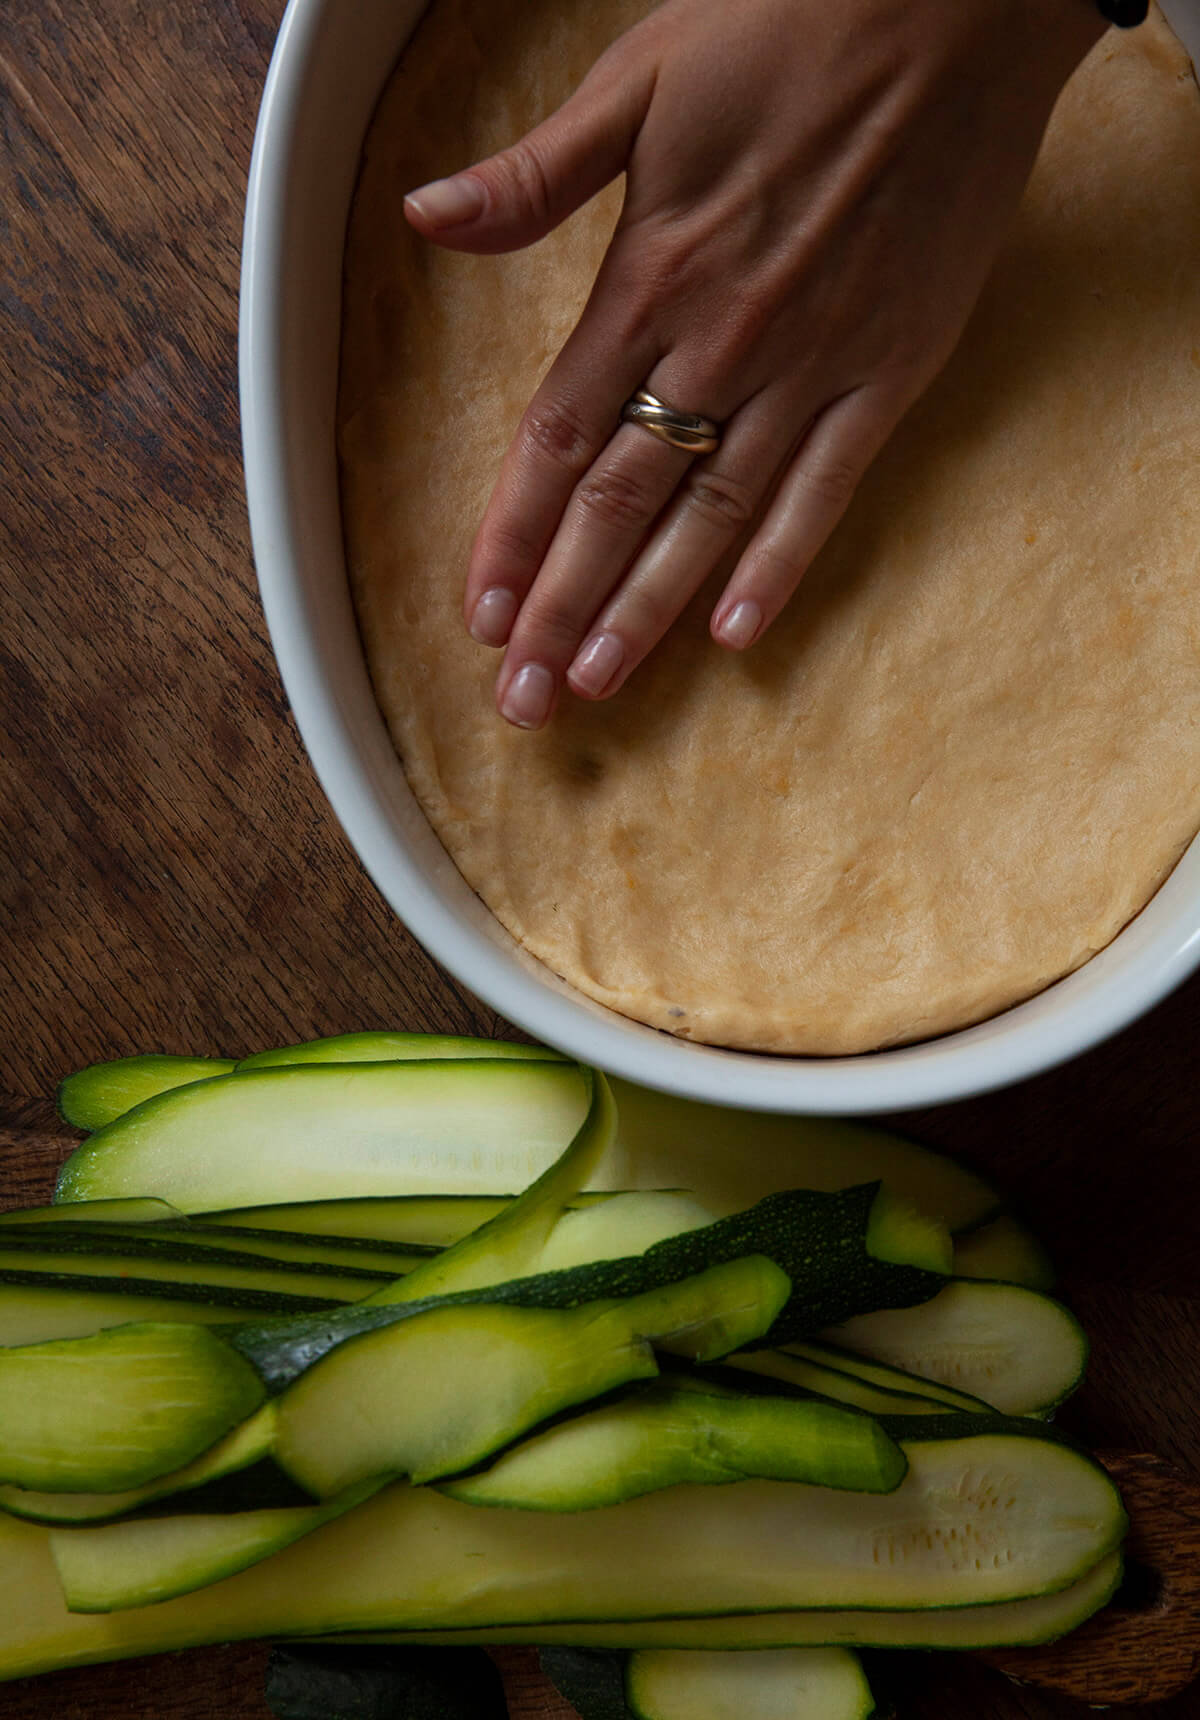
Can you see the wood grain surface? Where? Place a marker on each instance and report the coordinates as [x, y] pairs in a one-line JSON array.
[[170, 875]]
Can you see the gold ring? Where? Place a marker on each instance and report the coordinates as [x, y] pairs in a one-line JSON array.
[[686, 430]]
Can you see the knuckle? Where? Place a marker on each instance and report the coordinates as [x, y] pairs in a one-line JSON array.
[[616, 498], [552, 430], [832, 480], [521, 181], [720, 499]]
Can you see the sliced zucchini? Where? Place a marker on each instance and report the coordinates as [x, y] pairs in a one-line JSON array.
[[729, 1158], [776, 1368], [772, 1684], [818, 1240], [38, 1306], [114, 1411], [410, 1557], [131, 1211], [89, 1252], [624, 1223], [397, 1047], [247, 1444], [433, 1395], [1026, 1623], [1003, 1249], [676, 1431], [415, 1220], [1017, 1349], [381, 1260], [511, 1244], [888, 1378], [321, 1130], [102, 1092], [153, 1559]]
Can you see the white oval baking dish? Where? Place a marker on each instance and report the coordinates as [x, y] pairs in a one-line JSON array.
[[331, 61]]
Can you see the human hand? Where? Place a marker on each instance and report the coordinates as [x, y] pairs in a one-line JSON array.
[[814, 197]]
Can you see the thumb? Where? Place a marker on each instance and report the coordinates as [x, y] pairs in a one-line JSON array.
[[514, 198]]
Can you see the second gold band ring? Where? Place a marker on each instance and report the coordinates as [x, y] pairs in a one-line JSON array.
[[686, 430]]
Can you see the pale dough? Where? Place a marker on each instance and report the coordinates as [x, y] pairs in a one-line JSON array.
[[969, 752]]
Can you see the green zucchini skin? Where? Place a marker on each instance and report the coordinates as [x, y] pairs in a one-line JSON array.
[[321, 1130], [780, 1371], [818, 1240], [36, 1306], [102, 1092], [315, 1682], [1007, 1624], [680, 1431], [191, 1241], [129, 1211], [1021, 1351], [409, 1221], [149, 1258], [67, 1408], [510, 1245], [436, 1394], [591, 1679], [686, 1551], [727, 1158]]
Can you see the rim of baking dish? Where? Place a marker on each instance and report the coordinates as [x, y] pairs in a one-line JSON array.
[[329, 60]]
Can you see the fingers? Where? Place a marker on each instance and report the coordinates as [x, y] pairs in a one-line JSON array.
[[572, 418], [605, 522], [813, 494], [714, 507], [519, 195]]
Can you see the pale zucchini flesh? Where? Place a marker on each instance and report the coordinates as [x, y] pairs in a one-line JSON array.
[[33, 1311], [675, 1432], [1005, 1249], [511, 1244], [1015, 1348], [727, 1158], [1008, 1624], [870, 1371], [148, 1261], [417, 1220], [770, 1684], [249, 1442], [348, 1579], [779, 1368], [150, 1560], [439, 1392], [114, 1411], [324, 1130]]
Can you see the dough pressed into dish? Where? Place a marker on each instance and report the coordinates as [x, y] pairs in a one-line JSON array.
[[969, 751]]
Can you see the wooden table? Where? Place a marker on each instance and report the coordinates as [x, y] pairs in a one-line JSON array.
[[171, 876]]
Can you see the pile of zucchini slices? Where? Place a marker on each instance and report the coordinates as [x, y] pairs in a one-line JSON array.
[[281, 1361]]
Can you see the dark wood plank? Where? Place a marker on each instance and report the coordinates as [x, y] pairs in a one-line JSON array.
[[169, 873]]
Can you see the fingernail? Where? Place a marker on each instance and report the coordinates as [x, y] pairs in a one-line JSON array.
[[598, 661], [493, 615], [741, 626], [528, 696], [448, 202]]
